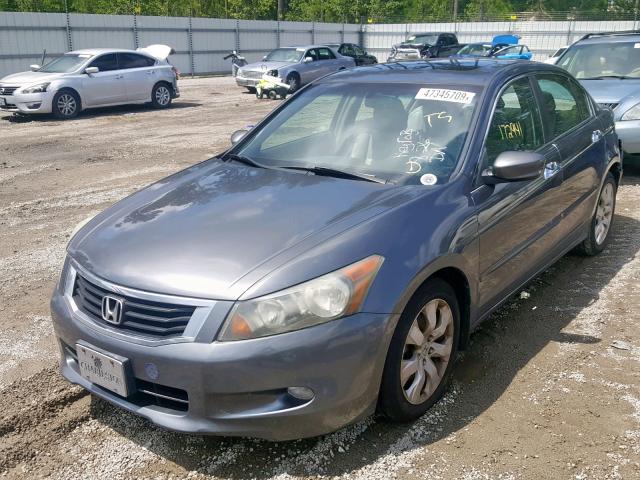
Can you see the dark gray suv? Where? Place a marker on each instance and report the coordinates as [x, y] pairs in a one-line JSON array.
[[337, 257]]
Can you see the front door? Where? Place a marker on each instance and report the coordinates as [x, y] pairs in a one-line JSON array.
[[106, 86], [515, 218]]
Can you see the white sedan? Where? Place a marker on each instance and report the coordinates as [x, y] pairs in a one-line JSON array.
[[91, 78]]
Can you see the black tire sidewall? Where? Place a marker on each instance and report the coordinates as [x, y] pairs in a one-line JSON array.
[[392, 403], [154, 102], [54, 105]]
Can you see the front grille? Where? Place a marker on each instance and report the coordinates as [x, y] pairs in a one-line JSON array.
[[612, 106], [142, 317], [148, 393], [7, 90], [251, 74]]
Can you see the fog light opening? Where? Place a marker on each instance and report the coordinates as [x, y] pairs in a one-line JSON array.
[[33, 106], [301, 393]]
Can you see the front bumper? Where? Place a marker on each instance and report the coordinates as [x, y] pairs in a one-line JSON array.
[[27, 102], [629, 134], [240, 388], [246, 82]]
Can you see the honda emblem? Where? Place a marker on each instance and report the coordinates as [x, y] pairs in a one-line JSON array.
[[112, 309]]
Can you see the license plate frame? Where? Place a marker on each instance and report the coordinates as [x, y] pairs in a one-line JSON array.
[[105, 369]]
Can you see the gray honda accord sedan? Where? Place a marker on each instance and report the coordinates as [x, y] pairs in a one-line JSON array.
[[335, 259]]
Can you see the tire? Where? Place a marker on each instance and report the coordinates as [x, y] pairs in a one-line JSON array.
[[66, 104], [161, 95], [293, 80], [600, 226], [251, 89], [272, 94], [433, 308]]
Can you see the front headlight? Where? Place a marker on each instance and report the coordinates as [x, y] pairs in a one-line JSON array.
[[40, 88], [331, 296], [632, 114]]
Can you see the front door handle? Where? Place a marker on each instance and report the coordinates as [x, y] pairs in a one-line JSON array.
[[596, 136], [551, 169], [119, 77]]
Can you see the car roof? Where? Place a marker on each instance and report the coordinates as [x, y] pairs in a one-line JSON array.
[[303, 46], [98, 51], [611, 37], [448, 71]]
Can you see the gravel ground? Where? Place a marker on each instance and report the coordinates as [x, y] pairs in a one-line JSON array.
[[548, 389]]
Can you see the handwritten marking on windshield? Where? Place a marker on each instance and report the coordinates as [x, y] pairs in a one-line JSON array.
[[416, 152], [438, 116]]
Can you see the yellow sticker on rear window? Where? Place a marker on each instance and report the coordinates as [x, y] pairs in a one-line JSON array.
[[445, 95]]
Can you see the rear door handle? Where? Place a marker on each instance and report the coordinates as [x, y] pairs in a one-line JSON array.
[[150, 72], [596, 136], [119, 77]]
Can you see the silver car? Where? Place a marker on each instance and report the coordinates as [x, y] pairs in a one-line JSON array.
[[294, 65], [608, 66], [91, 78]]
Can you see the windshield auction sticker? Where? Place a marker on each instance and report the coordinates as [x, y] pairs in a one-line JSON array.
[[445, 95]]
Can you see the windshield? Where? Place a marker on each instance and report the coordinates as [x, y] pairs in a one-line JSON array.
[[422, 39], [65, 64], [598, 60], [475, 49], [285, 55], [401, 133]]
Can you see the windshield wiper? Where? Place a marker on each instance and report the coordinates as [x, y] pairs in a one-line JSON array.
[[603, 77], [232, 157], [333, 172]]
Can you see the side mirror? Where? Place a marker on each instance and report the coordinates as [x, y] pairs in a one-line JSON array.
[[264, 58], [34, 67], [91, 70], [237, 136], [515, 166], [308, 59]]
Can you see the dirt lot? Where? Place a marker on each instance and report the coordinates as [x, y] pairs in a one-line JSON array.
[[550, 388]]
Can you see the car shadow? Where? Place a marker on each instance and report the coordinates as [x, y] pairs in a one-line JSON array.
[[96, 112], [503, 345]]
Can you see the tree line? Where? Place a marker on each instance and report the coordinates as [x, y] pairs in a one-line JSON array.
[[348, 11]]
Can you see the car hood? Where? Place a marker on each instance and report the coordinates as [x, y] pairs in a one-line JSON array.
[[201, 232], [612, 90], [26, 78], [266, 66]]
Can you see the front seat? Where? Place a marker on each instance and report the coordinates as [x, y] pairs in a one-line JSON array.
[[375, 140]]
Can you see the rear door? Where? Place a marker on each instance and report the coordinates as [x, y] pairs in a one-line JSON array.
[[573, 127], [105, 87], [515, 219], [140, 75]]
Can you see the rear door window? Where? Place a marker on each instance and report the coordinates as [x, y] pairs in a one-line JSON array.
[[516, 123], [564, 104], [133, 60]]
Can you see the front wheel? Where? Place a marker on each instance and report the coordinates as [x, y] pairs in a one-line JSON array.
[[422, 353], [293, 80], [161, 95], [602, 219], [66, 104]]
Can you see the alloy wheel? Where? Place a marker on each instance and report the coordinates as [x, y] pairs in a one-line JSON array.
[[67, 104], [427, 351], [604, 213], [163, 95]]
